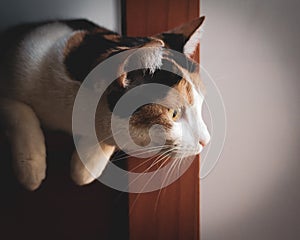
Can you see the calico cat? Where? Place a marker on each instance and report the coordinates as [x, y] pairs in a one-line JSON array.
[[42, 66]]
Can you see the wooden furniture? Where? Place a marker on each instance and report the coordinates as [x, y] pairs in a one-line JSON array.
[[172, 213]]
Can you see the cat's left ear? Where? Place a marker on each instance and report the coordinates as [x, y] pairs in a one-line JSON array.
[[184, 38]]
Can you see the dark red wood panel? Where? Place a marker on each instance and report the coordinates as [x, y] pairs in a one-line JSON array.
[[173, 212], [151, 17]]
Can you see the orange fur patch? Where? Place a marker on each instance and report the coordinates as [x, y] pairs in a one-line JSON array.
[[149, 115], [112, 37], [185, 90], [74, 42]]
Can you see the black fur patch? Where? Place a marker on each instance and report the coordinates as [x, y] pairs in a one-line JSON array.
[[174, 41], [143, 76], [94, 49], [81, 60]]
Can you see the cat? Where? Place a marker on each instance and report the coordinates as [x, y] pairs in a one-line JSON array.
[[42, 66]]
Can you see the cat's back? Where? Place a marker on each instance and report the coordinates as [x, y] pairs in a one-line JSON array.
[[11, 38], [24, 47], [32, 69]]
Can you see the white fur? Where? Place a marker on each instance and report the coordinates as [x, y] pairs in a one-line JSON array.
[[190, 130], [147, 58], [191, 45], [151, 58], [40, 75]]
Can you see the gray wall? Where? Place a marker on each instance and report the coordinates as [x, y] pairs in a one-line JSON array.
[[251, 48], [104, 12]]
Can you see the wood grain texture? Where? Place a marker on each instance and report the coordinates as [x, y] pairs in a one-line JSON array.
[[150, 17], [173, 212], [169, 213]]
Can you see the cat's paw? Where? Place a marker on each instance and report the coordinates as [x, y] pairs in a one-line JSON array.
[[82, 178], [79, 173], [94, 165], [30, 171]]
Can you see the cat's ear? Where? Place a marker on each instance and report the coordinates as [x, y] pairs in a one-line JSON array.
[[147, 56], [184, 38]]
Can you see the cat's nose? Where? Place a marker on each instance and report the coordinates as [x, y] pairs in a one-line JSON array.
[[205, 141], [203, 135]]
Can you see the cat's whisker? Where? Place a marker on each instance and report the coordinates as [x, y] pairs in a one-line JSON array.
[[133, 204], [143, 149], [167, 153], [160, 158], [165, 158], [143, 163], [157, 161], [111, 135], [161, 188], [127, 154], [177, 162], [148, 148]]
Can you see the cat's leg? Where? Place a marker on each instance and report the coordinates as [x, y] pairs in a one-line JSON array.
[[23, 130], [95, 161]]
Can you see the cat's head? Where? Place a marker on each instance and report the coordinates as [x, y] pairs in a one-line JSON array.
[[176, 108]]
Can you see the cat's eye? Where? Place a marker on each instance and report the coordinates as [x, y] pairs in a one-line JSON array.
[[175, 114]]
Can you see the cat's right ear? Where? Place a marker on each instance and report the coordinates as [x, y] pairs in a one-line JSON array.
[[184, 38]]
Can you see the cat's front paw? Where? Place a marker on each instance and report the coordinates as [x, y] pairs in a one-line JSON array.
[[30, 171], [82, 178], [96, 159], [79, 173]]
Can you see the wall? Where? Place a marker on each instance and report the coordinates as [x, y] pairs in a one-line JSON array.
[[251, 48], [104, 12]]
